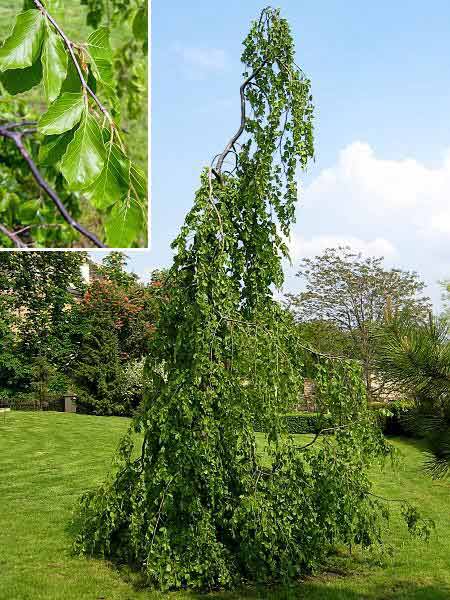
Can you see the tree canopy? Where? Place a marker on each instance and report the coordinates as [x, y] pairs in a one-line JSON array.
[[352, 294], [192, 503], [62, 334]]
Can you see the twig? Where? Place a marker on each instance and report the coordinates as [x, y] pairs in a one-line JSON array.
[[19, 124], [161, 504], [239, 132], [69, 46], [213, 204], [330, 356], [15, 239], [16, 137], [313, 441]]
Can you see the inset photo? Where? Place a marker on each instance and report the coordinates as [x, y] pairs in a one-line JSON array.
[[73, 124]]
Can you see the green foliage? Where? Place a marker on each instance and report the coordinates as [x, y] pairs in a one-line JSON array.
[[23, 208], [79, 132], [354, 295], [37, 309], [193, 504], [130, 58], [54, 65], [396, 417], [417, 358], [325, 337], [63, 114], [445, 296], [41, 372], [57, 334], [97, 372], [22, 48], [113, 267], [115, 327]]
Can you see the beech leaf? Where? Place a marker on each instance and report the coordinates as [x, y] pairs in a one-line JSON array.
[[100, 51], [54, 63], [63, 114], [85, 155], [112, 183], [17, 81], [122, 224], [21, 49]]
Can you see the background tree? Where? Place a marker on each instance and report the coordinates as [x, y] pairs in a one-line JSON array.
[[445, 296], [97, 372], [115, 321], [41, 374], [352, 294], [91, 337], [113, 268], [37, 301]]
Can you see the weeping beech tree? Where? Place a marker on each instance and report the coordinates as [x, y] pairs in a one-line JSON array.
[[192, 503]]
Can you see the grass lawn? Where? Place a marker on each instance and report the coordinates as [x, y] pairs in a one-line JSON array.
[[48, 459]]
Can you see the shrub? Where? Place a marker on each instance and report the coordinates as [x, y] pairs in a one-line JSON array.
[[396, 418]]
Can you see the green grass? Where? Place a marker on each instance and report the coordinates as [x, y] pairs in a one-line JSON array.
[[48, 459]]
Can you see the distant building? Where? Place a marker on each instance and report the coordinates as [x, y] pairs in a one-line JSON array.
[[89, 273]]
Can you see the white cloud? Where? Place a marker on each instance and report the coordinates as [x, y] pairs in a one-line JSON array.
[[389, 189], [396, 208], [302, 248], [198, 63]]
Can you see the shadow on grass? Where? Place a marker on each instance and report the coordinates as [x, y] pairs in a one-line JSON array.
[[393, 590]]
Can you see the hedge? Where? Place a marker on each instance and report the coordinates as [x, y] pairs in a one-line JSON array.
[[302, 422], [394, 418], [28, 402]]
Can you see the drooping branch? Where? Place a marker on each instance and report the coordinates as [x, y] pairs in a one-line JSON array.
[[69, 44], [8, 131], [15, 239], [218, 169]]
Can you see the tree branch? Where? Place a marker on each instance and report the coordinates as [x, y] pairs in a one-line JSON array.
[[16, 137], [319, 433], [69, 46], [15, 239], [237, 135]]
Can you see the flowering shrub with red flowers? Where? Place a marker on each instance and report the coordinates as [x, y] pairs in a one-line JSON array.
[[117, 322]]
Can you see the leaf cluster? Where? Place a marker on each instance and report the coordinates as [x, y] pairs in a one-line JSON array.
[[130, 58], [81, 140], [23, 207]]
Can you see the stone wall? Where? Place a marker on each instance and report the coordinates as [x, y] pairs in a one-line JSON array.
[[307, 398]]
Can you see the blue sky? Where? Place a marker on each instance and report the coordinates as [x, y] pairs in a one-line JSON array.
[[380, 76]]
